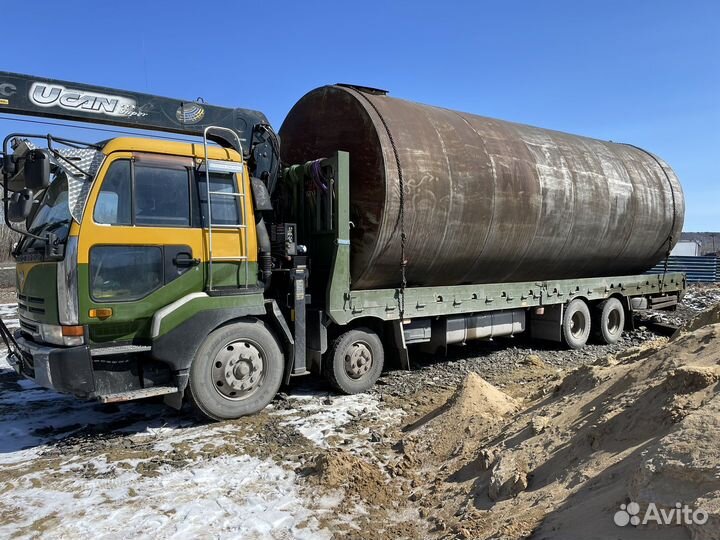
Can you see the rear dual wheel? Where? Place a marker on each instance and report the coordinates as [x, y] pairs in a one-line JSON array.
[[607, 323], [609, 320]]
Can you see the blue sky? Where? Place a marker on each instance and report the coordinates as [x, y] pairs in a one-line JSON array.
[[645, 72]]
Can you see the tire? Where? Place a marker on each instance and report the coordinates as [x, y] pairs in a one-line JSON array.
[[236, 372], [355, 361], [610, 320], [576, 324]]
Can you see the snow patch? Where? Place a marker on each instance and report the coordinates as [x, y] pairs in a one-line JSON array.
[[330, 419], [232, 496]]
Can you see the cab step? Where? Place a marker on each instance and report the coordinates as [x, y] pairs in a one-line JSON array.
[[120, 349], [138, 394]]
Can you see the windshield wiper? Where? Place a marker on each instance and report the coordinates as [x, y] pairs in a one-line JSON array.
[[47, 227], [57, 224]]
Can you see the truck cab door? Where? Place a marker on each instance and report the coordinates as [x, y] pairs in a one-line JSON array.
[[140, 246]]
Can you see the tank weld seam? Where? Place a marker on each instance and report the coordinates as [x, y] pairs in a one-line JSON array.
[[674, 211], [401, 214]]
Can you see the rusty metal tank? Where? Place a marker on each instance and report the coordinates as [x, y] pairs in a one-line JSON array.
[[485, 200]]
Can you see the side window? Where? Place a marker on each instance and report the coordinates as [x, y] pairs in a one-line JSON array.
[[162, 196], [114, 202], [123, 273], [225, 208]]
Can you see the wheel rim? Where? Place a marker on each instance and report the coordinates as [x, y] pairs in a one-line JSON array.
[[578, 324], [238, 370], [358, 360], [613, 324]]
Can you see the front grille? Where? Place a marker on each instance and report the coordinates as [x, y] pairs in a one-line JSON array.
[[28, 327], [31, 304], [31, 299]]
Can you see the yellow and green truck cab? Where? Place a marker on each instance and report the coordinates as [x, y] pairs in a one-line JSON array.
[[120, 315]]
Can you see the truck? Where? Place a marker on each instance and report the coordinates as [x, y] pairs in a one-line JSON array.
[[216, 269]]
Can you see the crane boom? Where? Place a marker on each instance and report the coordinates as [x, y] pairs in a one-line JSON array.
[[35, 96], [50, 98]]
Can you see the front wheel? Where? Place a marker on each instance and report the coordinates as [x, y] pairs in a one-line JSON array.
[[355, 361], [237, 371]]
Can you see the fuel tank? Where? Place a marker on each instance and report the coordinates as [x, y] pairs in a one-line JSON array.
[[484, 200]]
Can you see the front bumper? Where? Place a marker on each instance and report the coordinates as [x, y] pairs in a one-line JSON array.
[[64, 369]]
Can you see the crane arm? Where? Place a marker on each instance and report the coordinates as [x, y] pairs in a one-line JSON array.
[[50, 98]]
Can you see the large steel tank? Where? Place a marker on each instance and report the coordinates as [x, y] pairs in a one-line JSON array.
[[484, 200]]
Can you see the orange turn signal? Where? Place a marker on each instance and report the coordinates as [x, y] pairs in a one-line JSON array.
[[100, 313], [73, 331]]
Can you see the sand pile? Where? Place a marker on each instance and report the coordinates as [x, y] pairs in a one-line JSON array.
[[361, 481], [458, 426], [477, 398], [643, 427], [649, 434]]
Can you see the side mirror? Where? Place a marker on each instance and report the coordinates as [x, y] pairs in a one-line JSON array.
[[20, 205], [37, 170]]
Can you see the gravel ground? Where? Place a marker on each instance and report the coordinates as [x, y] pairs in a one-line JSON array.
[[493, 360], [697, 298]]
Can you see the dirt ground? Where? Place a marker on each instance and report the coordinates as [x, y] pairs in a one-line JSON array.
[[504, 439]]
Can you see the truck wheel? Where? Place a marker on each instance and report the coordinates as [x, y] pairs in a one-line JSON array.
[[236, 372], [610, 320], [355, 361], [576, 324]]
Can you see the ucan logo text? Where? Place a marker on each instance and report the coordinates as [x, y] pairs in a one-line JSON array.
[[54, 95]]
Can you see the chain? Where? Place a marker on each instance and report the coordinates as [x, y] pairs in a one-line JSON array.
[[401, 215], [667, 259]]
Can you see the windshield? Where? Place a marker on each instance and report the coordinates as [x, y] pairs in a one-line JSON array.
[[53, 215]]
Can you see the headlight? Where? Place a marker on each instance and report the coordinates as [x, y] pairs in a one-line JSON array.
[[68, 336]]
